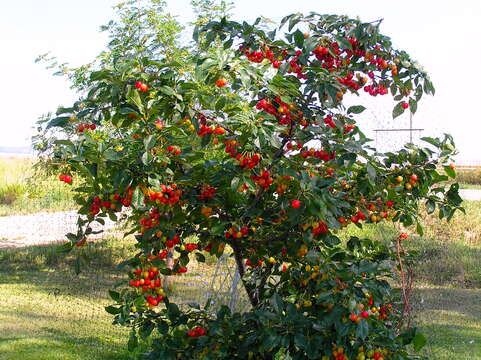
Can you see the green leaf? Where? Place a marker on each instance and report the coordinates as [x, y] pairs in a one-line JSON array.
[[356, 109], [112, 155], [398, 110], [220, 104], [277, 303], [413, 105], [300, 340], [200, 257], [343, 42], [299, 38], [162, 327], [133, 97], [371, 173], [450, 172], [58, 121], [167, 90], [430, 206], [133, 341], [362, 329], [149, 142], [146, 157], [146, 329], [419, 229], [114, 295], [138, 198], [113, 310], [419, 341], [234, 184]]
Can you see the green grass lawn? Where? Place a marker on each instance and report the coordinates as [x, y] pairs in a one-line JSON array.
[[47, 312]]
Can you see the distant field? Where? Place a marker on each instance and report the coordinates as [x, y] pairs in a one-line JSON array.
[[23, 191]]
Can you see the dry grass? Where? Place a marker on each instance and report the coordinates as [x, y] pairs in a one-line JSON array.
[[24, 191]]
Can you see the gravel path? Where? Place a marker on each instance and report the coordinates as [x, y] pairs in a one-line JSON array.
[[41, 228], [470, 194]]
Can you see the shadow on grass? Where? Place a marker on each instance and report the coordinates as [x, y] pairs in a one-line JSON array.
[[460, 301], [451, 264]]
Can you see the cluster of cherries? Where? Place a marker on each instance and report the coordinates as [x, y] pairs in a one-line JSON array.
[[230, 147], [112, 202], [83, 126], [151, 220], [258, 56], [249, 161], [235, 233], [168, 195], [197, 332], [249, 263], [170, 243], [330, 56], [207, 192], [319, 154], [65, 178], [282, 187], [264, 180], [284, 112], [329, 121], [139, 85], [294, 67], [149, 281], [319, 228], [349, 82], [174, 150], [207, 130], [375, 89], [190, 247]]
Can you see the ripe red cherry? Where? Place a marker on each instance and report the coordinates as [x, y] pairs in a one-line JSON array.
[[159, 124], [221, 82], [353, 317], [65, 178], [389, 204], [404, 105], [364, 314], [414, 177], [93, 126], [143, 87], [296, 204]]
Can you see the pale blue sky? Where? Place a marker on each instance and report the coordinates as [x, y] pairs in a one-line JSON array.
[[444, 36]]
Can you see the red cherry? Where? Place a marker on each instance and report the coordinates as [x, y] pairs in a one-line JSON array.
[[296, 204], [404, 105], [389, 204], [143, 87], [353, 317], [93, 126], [414, 177], [364, 314], [159, 124], [221, 82]]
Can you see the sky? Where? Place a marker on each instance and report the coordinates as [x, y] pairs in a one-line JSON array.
[[443, 36]]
